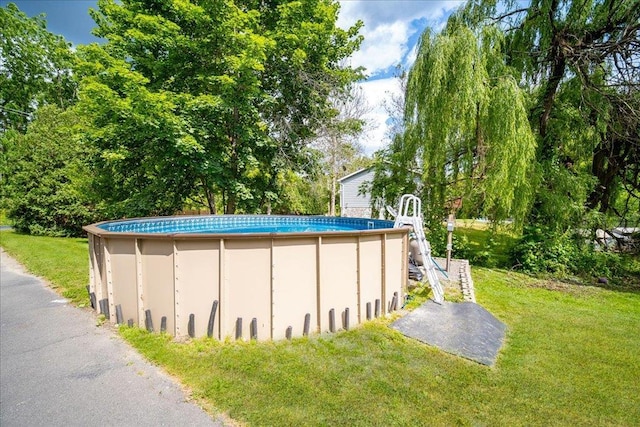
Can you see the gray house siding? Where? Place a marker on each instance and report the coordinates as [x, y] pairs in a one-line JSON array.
[[351, 203]]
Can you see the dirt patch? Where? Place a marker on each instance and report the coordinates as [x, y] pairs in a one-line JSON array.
[[9, 263], [569, 288]]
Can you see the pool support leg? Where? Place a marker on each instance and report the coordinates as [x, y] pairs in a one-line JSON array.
[[119, 318], [253, 329], [212, 319], [307, 323], [346, 319], [239, 328], [332, 320], [191, 327], [148, 321], [104, 307]]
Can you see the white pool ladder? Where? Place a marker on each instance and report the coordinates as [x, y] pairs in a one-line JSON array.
[[410, 213]]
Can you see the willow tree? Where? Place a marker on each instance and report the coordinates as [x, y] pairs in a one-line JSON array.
[[467, 132], [580, 61]]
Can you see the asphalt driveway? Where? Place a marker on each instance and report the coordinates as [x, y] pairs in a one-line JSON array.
[[57, 368]]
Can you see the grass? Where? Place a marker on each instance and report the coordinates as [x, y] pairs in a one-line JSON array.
[[571, 357], [485, 247], [63, 262]]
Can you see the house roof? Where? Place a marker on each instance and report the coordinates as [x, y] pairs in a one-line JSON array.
[[356, 173]]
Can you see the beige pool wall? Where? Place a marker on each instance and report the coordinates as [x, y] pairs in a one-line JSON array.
[[276, 279]]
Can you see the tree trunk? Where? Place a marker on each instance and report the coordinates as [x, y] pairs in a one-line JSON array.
[[334, 177], [230, 207], [557, 72], [606, 165], [211, 199]]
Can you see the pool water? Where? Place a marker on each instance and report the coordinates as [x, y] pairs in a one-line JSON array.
[[244, 224]]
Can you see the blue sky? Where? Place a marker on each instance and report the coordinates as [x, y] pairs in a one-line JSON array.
[[69, 18], [391, 30]]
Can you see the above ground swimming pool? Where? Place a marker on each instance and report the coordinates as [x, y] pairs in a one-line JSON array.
[[246, 276]]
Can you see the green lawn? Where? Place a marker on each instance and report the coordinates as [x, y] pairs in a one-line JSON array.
[[483, 246], [571, 357], [64, 262]]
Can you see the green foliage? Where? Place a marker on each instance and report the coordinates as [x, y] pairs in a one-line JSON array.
[[47, 181], [3, 217], [528, 113], [143, 159], [208, 100], [574, 59], [35, 68], [542, 250], [300, 195], [394, 174], [467, 133], [482, 244]]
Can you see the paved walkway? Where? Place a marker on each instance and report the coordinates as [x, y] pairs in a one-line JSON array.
[[58, 369], [465, 329]]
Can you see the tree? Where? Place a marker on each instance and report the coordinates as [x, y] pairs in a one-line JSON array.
[[231, 81], [35, 68], [47, 188], [337, 136], [466, 128], [144, 159], [394, 104], [571, 72], [580, 60]]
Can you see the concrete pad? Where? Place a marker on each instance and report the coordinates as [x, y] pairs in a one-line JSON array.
[[464, 329]]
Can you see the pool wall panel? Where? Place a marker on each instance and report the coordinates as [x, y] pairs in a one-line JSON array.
[[294, 285], [158, 282], [338, 279], [393, 269], [247, 286], [197, 284], [123, 276], [370, 273]]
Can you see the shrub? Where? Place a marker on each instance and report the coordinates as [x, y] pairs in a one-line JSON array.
[[46, 189], [543, 251]]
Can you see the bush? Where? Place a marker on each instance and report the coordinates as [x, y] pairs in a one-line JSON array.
[[46, 189], [542, 251], [539, 250]]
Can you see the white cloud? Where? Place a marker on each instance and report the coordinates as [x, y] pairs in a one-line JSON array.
[[376, 93], [375, 12], [384, 46], [388, 27]]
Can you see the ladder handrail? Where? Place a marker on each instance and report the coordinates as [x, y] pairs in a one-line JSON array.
[[415, 220]]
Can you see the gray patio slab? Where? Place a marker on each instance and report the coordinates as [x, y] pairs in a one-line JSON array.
[[465, 329]]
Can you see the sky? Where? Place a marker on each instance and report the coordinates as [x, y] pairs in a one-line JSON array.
[[391, 31]]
